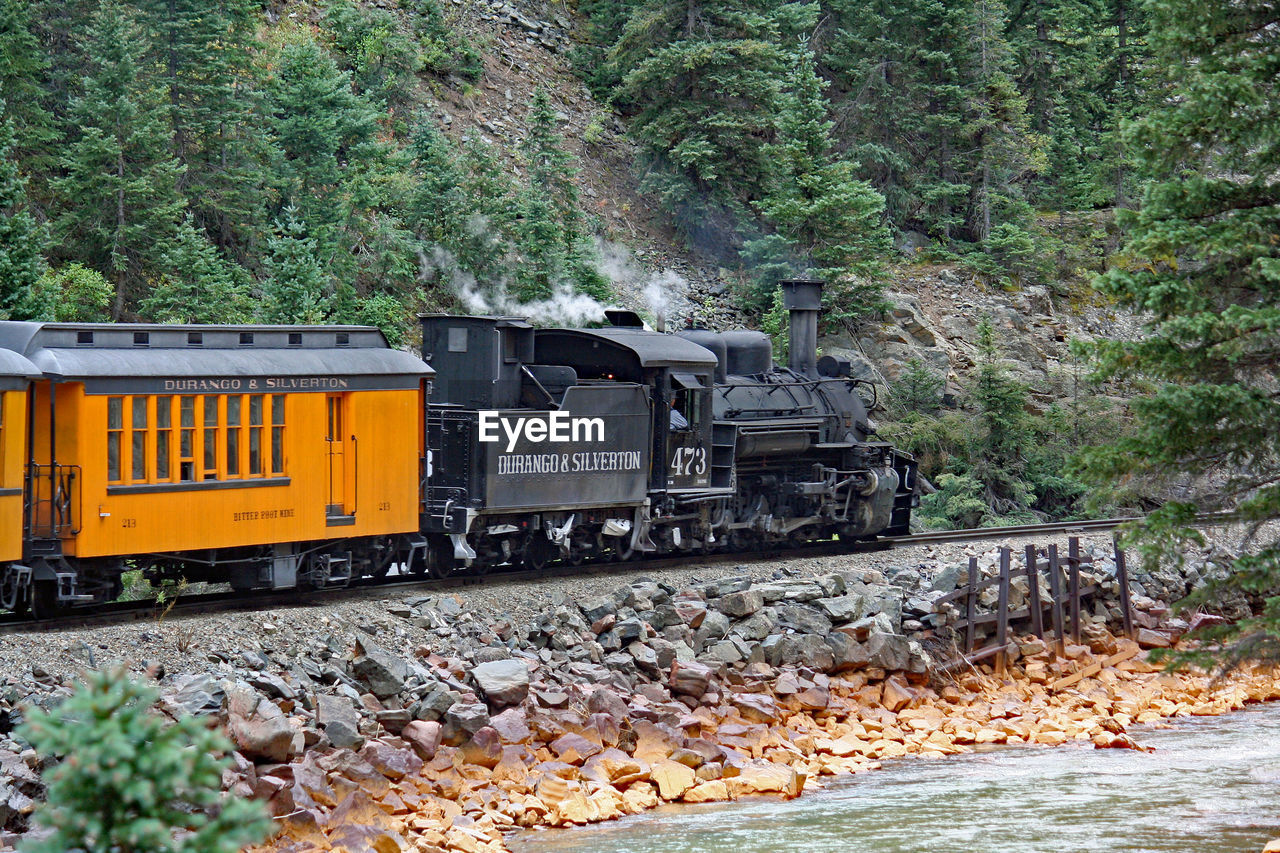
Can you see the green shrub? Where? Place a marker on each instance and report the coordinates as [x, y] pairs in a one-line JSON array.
[[131, 782]]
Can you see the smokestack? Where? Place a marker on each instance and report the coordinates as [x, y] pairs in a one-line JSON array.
[[803, 299]]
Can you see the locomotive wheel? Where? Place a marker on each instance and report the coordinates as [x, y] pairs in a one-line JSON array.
[[384, 556], [539, 551], [440, 562]]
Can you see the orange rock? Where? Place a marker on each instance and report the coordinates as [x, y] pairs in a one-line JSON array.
[[1050, 738], [639, 797], [672, 778], [766, 778], [897, 695], [707, 792]]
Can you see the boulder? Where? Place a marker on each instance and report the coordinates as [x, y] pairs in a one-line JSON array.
[[504, 682], [896, 694], [423, 737], [257, 726], [394, 762], [1149, 638], [690, 679], [847, 653], [672, 778], [841, 609], [889, 651], [463, 720], [379, 670], [762, 777], [756, 707], [338, 717], [740, 604], [804, 620]]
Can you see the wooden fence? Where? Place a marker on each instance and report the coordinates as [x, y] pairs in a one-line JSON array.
[[1063, 605]]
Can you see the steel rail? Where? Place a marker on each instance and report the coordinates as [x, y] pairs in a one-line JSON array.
[[122, 612]]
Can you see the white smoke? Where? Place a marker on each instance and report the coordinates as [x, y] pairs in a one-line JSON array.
[[563, 307], [662, 294]]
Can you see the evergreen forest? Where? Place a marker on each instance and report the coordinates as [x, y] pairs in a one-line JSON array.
[[206, 161]]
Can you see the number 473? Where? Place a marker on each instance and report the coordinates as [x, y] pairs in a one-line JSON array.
[[689, 460]]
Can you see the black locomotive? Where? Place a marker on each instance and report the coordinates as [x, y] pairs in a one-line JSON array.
[[572, 444]]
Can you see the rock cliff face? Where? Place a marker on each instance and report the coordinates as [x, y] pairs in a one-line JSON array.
[[935, 317]]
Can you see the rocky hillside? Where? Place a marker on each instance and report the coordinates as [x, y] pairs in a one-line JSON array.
[[936, 308]]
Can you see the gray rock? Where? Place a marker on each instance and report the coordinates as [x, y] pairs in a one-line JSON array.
[[949, 578], [434, 703], [841, 609], [832, 584], [257, 727], [724, 586], [889, 651], [802, 590], [379, 670], [491, 653], [739, 604], [465, 719], [847, 653], [200, 695], [757, 626], [344, 736], [597, 608], [272, 685], [630, 630], [723, 652], [504, 682], [664, 651], [806, 620]]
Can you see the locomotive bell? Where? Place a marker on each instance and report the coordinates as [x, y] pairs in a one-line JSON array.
[[803, 300]]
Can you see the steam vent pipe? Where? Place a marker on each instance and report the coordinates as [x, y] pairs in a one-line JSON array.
[[803, 299]]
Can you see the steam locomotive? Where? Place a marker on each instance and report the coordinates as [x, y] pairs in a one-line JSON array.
[[282, 457]]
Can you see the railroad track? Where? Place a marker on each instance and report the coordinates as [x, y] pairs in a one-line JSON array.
[[220, 602]]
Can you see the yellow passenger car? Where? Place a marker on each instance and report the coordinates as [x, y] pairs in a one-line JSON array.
[[16, 375], [255, 455]]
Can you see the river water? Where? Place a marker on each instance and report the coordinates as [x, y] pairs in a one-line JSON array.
[[1211, 786]]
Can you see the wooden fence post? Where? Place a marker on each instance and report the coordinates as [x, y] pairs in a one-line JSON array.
[[971, 605], [1073, 566], [1122, 578], [1055, 590], [1002, 613], [1033, 593]]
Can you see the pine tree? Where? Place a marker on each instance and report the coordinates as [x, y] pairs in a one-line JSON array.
[[119, 204], [22, 240], [381, 58], [438, 208], [297, 288], [551, 238], [203, 53], [23, 69], [319, 128], [1005, 434], [814, 200], [132, 781], [198, 285], [326, 160], [1204, 266], [702, 82]]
